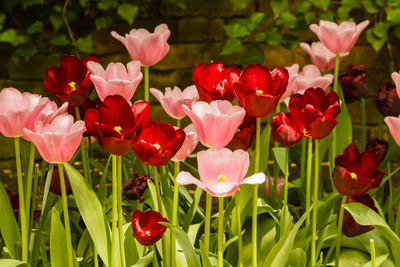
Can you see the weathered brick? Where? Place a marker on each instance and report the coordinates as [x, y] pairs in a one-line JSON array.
[[200, 29], [34, 68]]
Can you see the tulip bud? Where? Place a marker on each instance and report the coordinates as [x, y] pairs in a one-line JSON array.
[[134, 188]]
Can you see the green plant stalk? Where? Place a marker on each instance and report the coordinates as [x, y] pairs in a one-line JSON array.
[[380, 126], [83, 154], [239, 229], [154, 261], [66, 215], [35, 190], [363, 124], [95, 258], [120, 215], [255, 194], [146, 83], [207, 223], [315, 204], [285, 193], [175, 206], [114, 212], [339, 230], [390, 208], [303, 163], [220, 232], [24, 234], [372, 246], [335, 89], [29, 187], [308, 178]]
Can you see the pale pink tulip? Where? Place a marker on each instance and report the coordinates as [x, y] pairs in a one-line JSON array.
[[148, 48], [189, 144], [116, 79], [338, 38], [215, 122], [279, 186], [221, 172], [321, 56], [18, 111], [58, 140], [311, 77], [396, 80], [394, 127], [293, 73], [51, 111], [173, 100]]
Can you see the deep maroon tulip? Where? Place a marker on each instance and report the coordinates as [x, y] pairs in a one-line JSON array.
[[158, 143], [354, 83], [134, 188], [356, 173], [314, 113], [146, 227], [88, 103], [258, 91], [55, 187], [283, 131], [14, 201], [115, 123], [387, 101], [71, 81], [380, 146], [350, 228], [244, 135], [214, 81]]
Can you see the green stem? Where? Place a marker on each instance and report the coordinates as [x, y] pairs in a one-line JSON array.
[[363, 124], [160, 210], [315, 204], [372, 246], [380, 127], [83, 154], [239, 229], [146, 83], [390, 208], [24, 234], [120, 215], [95, 258], [220, 231], [35, 190], [308, 178], [207, 223], [174, 214], [285, 193], [303, 163], [335, 89], [154, 261], [339, 230], [66, 215], [29, 187], [114, 212], [255, 194], [336, 74]]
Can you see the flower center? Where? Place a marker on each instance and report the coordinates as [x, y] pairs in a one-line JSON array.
[[305, 133], [157, 146], [118, 129], [221, 178], [72, 85], [353, 176], [259, 92], [147, 232]]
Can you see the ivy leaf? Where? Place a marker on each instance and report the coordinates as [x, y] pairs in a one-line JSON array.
[[85, 44], [60, 40], [26, 52], [28, 3], [128, 12], [102, 22], [2, 18], [375, 41], [321, 4], [56, 21], [309, 16], [257, 18], [380, 29], [13, 37], [327, 16], [392, 2], [279, 6], [370, 7], [290, 41], [239, 4], [343, 12], [393, 16], [233, 45], [252, 54], [107, 4], [83, 2], [236, 30], [274, 37], [287, 19], [36, 27], [351, 3], [303, 7]]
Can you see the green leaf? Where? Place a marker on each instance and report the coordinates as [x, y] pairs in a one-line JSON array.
[[2, 18], [8, 225], [85, 44], [145, 261], [193, 207], [343, 12], [370, 7], [128, 12], [26, 52], [239, 4], [303, 6], [378, 261], [58, 255], [13, 37], [274, 36], [102, 22], [344, 133], [36, 27], [279, 6], [376, 42], [257, 18], [236, 30], [233, 45], [107, 4], [91, 211], [380, 29], [290, 41], [83, 2], [297, 258], [287, 19], [327, 16], [280, 157], [321, 4], [309, 16], [393, 16], [204, 256], [252, 54], [56, 21], [351, 3], [60, 40], [261, 37], [12, 263]]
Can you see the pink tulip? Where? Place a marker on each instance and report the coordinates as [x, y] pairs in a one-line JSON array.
[[148, 48], [58, 140], [221, 172], [173, 100], [18, 111], [279, 187], [394, 127], [116, 79], [396, 79], [293, 73], [321, 56], [338, 38], [189, 144], [311, 77], [51, 111], [216, 122]]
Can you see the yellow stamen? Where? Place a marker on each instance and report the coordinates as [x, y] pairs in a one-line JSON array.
[[72, 85], [353, 175], [157, 146], [259, 92], [238, 130], [118, 129], [221, 178], [147, 233]]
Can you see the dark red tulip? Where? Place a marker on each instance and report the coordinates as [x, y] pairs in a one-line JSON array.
[[356, 173], [350, 228], [55, 186], [134, 188], [283, 131], [354, 83], [214, 81], [380, 146], [71, 81], [88, 103], [314, 113], [244, 135], [146, 227], [14, 201], [115, 123], [158, 143], [259, 90], [387, 101]]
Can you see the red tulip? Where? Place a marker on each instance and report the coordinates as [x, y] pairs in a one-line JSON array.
[[146, 227], [214, 81], [87, 104], [356, 173], [55, 186], [380, 146], [134, 188], [314, 113], [387, 101], [115, 123], [354, 83], [14, 201], [71, 81], [283, 131], [244, 135], [350, 227], [258, 91], [158, 143]]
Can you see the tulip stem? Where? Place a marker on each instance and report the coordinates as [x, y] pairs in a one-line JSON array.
[[335, 89], [239, 228], [220, 232], [66, 215], [303, 163], [315, 203], [363, 124], [120, 215], [160, 210], [285, 193], [174, 213], [372, 246], [146, 83], [308, 177], [390, 207], [24, 234], [207, 223], [83, 154], [155, 261], [29, 187], [114, 212], [339, 230], [255, 193]]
